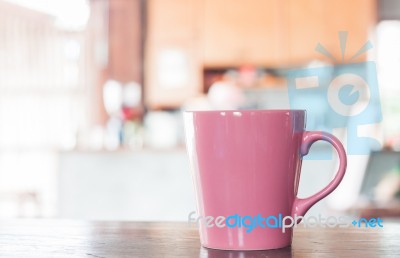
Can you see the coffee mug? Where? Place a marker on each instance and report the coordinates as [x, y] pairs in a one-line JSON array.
[[246, 169]]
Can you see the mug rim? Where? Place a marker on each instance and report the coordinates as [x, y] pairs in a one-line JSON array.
[[247, 111]]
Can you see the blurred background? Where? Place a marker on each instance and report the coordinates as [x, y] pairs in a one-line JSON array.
[[91, 94]]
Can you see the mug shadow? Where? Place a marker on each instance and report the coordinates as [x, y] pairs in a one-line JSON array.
[[214, 253]]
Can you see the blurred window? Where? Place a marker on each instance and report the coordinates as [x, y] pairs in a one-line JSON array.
[[388, 63], [44, 78]]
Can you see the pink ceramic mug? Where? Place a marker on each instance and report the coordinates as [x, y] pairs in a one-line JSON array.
[[246, 169]]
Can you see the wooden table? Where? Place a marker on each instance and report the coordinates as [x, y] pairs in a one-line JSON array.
[[61, 238]]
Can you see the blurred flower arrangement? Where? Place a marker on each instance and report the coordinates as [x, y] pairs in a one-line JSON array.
[[123, 105]]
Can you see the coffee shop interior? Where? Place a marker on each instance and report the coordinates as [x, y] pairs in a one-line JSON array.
[[92, 94]]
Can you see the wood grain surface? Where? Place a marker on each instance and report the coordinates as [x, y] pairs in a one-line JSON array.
[[66, 238]]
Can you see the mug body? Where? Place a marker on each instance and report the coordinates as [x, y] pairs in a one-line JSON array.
[[246, 169]]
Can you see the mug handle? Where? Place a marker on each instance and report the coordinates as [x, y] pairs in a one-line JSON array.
[[301, 206]]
